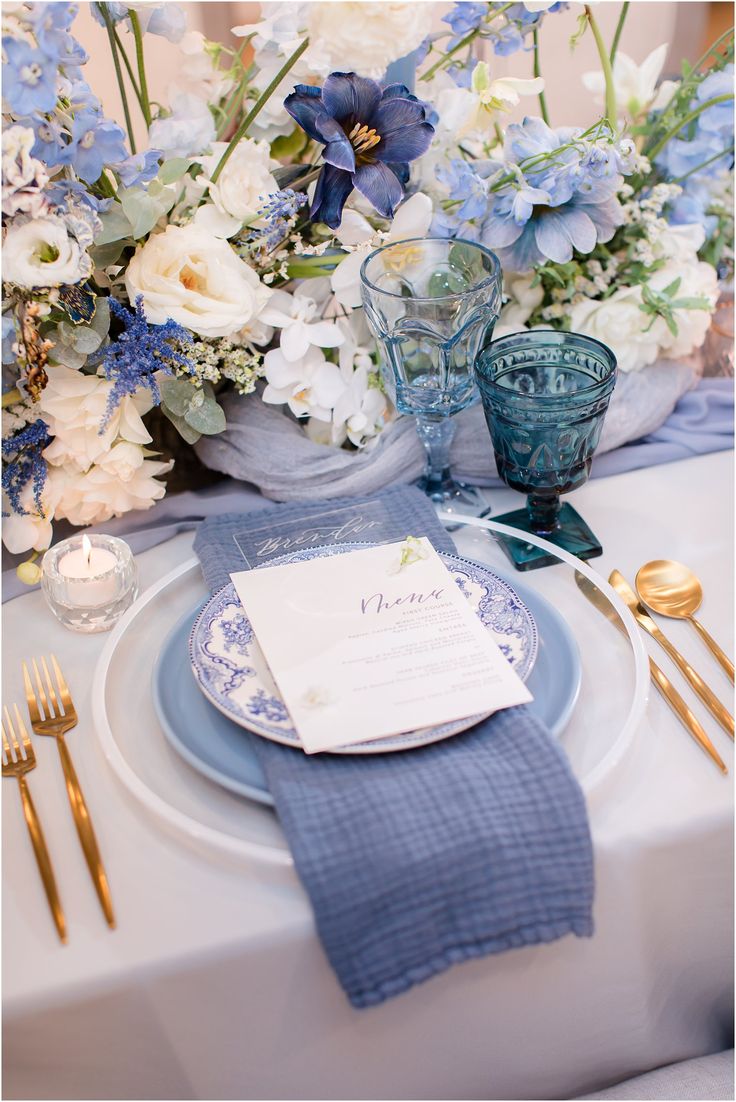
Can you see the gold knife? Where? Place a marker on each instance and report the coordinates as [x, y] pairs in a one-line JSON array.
[[666, 688], [645, 621]]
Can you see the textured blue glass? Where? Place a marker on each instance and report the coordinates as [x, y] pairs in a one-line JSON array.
[[432, 304], [545, 395]]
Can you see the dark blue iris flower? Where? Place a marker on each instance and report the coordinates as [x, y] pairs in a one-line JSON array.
[[370, 135]]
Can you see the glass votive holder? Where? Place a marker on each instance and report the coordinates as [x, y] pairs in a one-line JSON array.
[[89, 581]]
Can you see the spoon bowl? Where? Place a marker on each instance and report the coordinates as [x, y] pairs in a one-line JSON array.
[[671, 589]]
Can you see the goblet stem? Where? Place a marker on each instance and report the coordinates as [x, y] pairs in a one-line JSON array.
[[436, 434], [544, 513]]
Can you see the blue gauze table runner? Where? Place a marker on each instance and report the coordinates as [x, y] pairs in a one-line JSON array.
[[417, 860]]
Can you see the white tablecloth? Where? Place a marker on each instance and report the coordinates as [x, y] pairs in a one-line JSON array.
[[215, 986]]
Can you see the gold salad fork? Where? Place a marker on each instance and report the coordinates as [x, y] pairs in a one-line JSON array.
[[54, 714], [18, 760]]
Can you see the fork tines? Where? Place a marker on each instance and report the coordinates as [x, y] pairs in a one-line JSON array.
[[43, 706], [13, 750]]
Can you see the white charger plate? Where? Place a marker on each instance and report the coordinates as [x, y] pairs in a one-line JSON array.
[[217, 822]]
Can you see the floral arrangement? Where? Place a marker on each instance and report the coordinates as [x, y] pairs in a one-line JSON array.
[[225, 255]]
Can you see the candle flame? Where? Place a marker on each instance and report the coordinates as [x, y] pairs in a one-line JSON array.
[[86, 548]]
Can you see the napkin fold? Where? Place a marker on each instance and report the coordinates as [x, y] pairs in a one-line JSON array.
[[416, 860]]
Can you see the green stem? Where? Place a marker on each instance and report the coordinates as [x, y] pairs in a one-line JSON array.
[[538, 73], [700, 167], [255, 110], [619, 28], [235, 96], [11, 398], [450, 53], [106, 187], [118, 73], [605, 65], [675, 130], [128, 66], [140, 61]]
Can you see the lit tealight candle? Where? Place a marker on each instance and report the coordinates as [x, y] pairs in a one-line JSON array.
[[94, 568], [89, 583]]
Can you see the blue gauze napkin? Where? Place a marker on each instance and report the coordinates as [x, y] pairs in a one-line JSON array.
[[417, 860]]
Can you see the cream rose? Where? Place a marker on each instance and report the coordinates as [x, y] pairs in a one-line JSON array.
[[698, 280], [40, 253], [619, 322], [90, 497], [196, 279], [364, 37], [74, 406], [241, 187]]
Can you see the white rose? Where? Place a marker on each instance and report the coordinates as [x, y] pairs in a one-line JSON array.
[[698, 280], [619, 322], [40, 253], [24, 178], [364, 37], [196, 279], [93, 496], [241, 188], [74, 406]]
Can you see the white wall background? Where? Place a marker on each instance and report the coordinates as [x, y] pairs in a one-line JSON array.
[[649, 23]]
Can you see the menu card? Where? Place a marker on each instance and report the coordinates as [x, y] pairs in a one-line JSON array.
[[373, 643]]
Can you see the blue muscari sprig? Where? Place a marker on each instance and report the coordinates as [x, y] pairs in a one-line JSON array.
[[26, 465], [279, 212], [141, 350]]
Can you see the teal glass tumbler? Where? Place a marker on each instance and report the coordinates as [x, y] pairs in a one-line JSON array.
[[432, 304], [545, 394]]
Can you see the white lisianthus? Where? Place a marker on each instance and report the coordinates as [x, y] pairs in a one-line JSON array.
[[364, 37], [412, 219], [40, 253], [201, 76], [241, 188], [196, 279], [298, 319], [188, 129], [620, 323], [24, 178], [310, 386], [635, 84], [74, 406], [95, 495]]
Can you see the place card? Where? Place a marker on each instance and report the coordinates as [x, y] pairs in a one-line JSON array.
[[373, 643]]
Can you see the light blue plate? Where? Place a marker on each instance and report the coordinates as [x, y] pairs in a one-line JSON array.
[[233, 674], [216, 747]]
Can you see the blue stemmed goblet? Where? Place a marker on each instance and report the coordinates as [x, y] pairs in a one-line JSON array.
[[545, 394], [432, 304]]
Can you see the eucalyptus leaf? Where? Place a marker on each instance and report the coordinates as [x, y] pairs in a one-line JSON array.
[[115, 226], [177, 394], [173, 170], [105, 255], [187, 433], [209, 418], [86, 340], [142, 210]]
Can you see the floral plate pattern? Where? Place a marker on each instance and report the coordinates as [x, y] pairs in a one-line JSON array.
[[231, 671]]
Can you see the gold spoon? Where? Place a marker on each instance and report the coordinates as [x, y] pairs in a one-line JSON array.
[[672, 589]]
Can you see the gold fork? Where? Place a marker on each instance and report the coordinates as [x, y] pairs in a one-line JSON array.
[[18, 761], [55, 715]]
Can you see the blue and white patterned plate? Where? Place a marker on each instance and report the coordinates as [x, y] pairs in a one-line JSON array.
[[230, 669]]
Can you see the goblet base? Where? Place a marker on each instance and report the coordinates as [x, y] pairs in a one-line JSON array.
[[571, 533], [455, 497]]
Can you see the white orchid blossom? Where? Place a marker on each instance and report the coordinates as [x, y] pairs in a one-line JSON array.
[[293, 315], [412, 219], [309, 386], [635, 83]]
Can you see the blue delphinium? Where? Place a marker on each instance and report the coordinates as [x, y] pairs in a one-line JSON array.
[[370, 135], [96, 141], [505, 26], [132, 359], [139, 168], [29, 78], [24, 462], [463, 18]]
